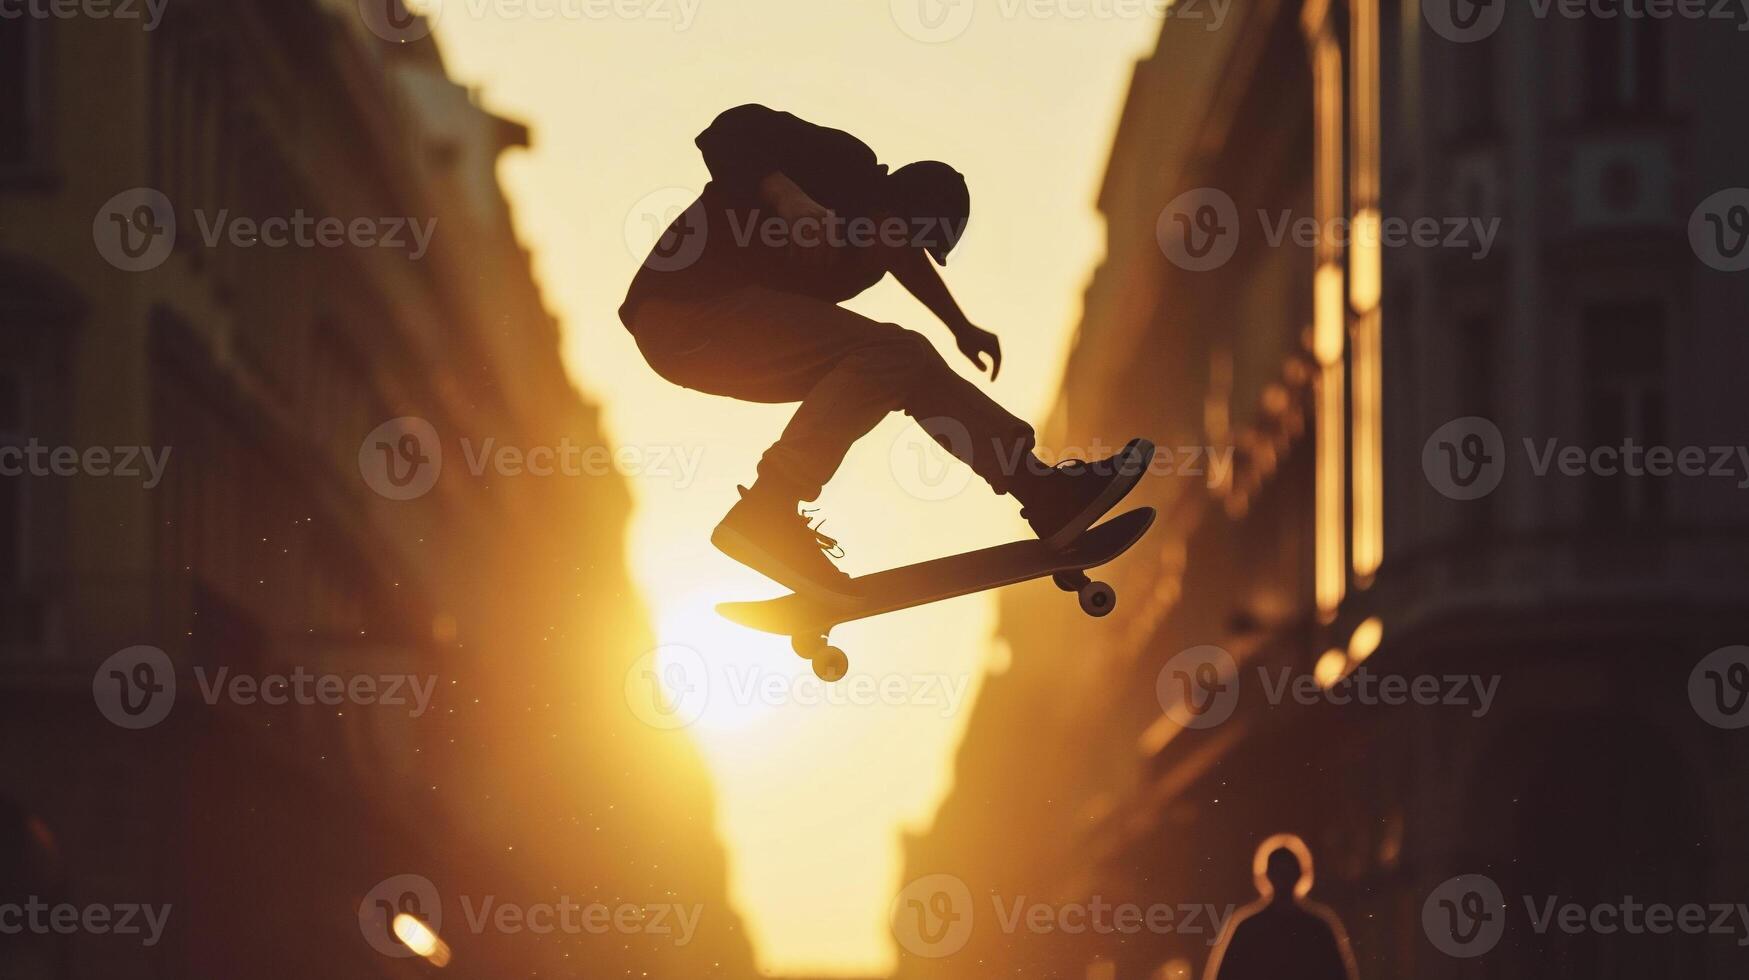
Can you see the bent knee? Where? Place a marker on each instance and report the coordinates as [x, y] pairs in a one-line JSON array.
[[907, 348]]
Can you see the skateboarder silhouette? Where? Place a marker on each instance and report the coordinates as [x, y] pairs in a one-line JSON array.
[[1282, 936], [740, 298]]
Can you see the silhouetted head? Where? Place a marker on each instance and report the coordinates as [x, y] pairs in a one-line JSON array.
[[932, 196], [1284, 872], [1282, 868]]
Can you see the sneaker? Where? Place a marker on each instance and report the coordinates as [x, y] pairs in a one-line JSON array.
[[771, 538], [1068, 499]]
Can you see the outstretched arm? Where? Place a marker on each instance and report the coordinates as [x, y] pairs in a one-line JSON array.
[[911, 266]]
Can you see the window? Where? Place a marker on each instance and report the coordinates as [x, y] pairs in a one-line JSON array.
[[11, 487], [1625, 400], [1624, 65], [1476, 80], [18, 91], [1475, 363]]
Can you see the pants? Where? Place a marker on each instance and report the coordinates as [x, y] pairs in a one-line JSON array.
[[763, 345]]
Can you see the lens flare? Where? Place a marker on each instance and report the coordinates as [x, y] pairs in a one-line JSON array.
[[419, 938]]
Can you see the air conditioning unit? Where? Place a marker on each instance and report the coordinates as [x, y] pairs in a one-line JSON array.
[[1621, 182]]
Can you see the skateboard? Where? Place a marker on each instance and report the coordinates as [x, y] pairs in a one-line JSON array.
[[808, 620]]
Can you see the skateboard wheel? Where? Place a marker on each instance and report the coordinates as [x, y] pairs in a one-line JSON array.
[[807, 647], [830, 665], [1098, 599], [1070, 581]]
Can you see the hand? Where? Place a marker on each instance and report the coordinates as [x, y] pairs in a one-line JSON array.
[[975, 343]]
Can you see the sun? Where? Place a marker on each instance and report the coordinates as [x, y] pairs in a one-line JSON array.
[[729, 678]]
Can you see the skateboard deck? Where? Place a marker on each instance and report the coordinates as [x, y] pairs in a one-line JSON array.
[[808, 619]]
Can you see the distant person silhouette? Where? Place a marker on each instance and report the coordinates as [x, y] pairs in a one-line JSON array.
[[1282, 936], [739, 298]]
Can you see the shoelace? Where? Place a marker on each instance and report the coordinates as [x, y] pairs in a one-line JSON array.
[[1072, 466], [827, 544]]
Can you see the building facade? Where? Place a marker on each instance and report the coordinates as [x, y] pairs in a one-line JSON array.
[[1386, 403], [236, 240]]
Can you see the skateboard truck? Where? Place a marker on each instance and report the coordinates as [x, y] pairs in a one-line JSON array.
[[1097, 598], [830, 663]]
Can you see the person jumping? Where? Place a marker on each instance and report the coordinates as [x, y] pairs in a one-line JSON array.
[[740, 298]]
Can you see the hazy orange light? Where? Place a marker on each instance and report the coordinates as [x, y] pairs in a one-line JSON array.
[[1331, 580], [1364, 99], [1366, 270], [1328, 315], [1368, 450], [1365, 289], [1365, 639], [1331, 666], [1177, 969], [419, 938]]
